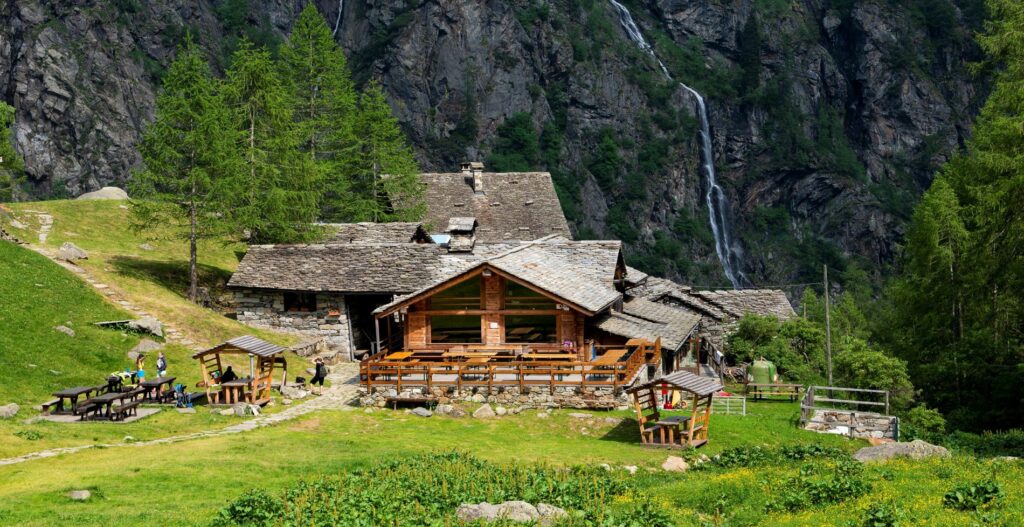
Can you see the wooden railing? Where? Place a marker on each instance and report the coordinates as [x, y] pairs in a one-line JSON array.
[[375, 371]]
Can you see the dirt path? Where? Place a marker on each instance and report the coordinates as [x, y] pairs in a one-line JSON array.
[[344, 380]]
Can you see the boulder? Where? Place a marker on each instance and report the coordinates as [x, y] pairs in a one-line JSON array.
[[8, 411], [630, 468], [516, 511], [294, 392], [148, 325], [915, 449], [70, 252], [286, 401], [65, 330], [675, 464], [457, 412], [580, 415], [79, 495], [112, 193], [443, 409], [501, 410], [478, 398], [244, 409], [144, 346], [484, 412], [146, 247], [422, 412]]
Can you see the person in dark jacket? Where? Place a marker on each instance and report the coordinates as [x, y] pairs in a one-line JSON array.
[[319, 376], [229, 375]]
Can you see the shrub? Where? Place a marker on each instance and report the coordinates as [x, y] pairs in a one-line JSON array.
[[883, 515], [921, 422], [255, 508], [972, 496], [989, 444], [817, 485]]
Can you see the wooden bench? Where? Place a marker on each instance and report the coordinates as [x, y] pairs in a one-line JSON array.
[[85, 409], [121, 412], [45, 407], [426, 400], [762, 390]]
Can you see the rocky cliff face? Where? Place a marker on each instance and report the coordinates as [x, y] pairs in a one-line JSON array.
[[828, 120]]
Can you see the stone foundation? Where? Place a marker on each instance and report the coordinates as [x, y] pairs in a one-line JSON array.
[[538, 397], [863, 425], [265, 309]]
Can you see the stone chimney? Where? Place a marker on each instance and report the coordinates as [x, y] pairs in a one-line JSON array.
[[474, 169]]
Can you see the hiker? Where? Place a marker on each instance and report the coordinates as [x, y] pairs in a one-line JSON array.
[[140, 371], [320, 375], [161, 365], [229, 375]]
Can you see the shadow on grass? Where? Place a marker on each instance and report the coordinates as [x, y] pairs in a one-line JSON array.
[[626, 431], [173, 275]]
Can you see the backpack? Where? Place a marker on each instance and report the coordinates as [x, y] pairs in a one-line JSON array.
[[161, 364]]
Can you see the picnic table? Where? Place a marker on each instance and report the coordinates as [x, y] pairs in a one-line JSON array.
[[154, 388], [610, 357], [234, 391], [478, 360], [104, 404], [672, 424], [72, 394], [401, 355]]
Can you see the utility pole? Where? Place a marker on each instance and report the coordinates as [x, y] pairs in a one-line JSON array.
[[828, 330]]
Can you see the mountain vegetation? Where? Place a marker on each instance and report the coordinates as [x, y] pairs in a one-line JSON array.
[[11, 164]]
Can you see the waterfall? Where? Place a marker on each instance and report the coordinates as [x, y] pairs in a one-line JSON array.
[[718, 206], [337, 22]]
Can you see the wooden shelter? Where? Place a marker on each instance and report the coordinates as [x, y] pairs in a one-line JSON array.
[[255, 388], [679, 431]]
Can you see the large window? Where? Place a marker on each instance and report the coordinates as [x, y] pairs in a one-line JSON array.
[[521, 297], [455, 329], [531, 329], [464, 295], [300, 302]]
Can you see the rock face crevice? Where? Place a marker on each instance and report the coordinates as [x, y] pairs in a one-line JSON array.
[[851, 112]]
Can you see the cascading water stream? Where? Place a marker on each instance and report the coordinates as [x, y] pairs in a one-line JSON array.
[[337, 22], [715, 197]]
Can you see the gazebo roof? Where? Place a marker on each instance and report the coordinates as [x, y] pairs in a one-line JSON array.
[[244, 344], [684, 380]]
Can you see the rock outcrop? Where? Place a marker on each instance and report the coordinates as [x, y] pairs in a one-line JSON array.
[[111, 193], [915, 449], [827, 123]]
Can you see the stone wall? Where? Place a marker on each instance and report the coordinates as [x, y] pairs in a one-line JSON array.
[[265, 309], [854, 424], [535, 397]]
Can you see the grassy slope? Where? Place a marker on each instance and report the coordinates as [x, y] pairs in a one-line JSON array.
[[184, 484], [155, 280], [36, 295]]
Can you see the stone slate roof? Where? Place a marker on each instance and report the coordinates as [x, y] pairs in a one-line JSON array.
[[461, 224], [644, 319], [397, 232], [348, 268], [246, 344], [684, 380], [512, 206], [720, 305], [580, 272]]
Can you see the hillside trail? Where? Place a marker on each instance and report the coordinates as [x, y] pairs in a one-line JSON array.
[[344, 379], [112, 294]]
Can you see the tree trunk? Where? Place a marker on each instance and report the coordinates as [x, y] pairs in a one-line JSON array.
[[193, 253]]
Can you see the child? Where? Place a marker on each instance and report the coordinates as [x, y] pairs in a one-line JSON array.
[[161, 365], [140, 372]]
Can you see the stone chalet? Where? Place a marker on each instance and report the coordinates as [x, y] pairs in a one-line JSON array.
[[493, 265]]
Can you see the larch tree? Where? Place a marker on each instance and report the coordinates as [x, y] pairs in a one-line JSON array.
[[188, 154], [11, 165], [278, 192], [382, 168], [323, 102]]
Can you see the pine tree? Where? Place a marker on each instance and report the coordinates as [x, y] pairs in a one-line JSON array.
[[382, 169], [11, 165], [188, 152], [278, 195], [323, 102]]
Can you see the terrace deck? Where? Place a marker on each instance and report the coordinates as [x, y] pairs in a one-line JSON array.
[[429, 369]]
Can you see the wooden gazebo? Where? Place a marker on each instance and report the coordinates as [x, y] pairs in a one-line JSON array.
[[678, 431], [255, 388]]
